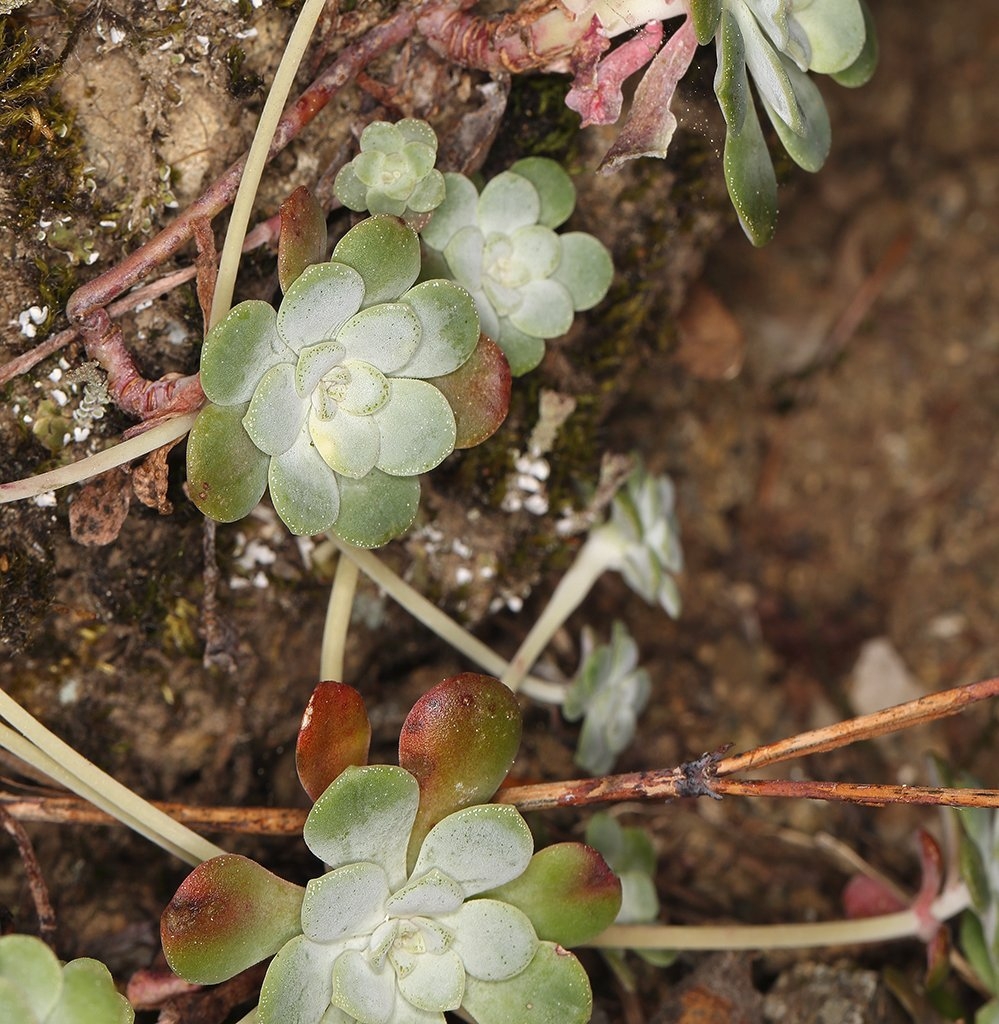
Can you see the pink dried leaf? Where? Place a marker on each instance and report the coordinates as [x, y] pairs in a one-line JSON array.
[[478, 393], [651, 121], [227, 915], [568, 891], [302, 239], [596, 86], [335, 733], [459, 741]]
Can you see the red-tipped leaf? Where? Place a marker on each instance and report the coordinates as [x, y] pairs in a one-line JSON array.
[[302, 239], [335, 733], [459, 741], [478, 393], [229, 914]]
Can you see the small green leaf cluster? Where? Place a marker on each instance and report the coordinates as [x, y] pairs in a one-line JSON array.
[[394, 172], [527, 281], [776, 43], [36, 989], [609, 692], [645, 527], [431, 900]]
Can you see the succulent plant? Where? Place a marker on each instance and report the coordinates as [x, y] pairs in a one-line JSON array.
[[394, 172], [36, 989], [431, 901], [609, 692], [527, 281], [777, 44], [332, 401]]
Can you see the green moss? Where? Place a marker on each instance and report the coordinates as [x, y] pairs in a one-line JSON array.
[[242, 83], [536, 123]]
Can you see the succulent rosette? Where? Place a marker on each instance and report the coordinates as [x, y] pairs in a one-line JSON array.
[[332, 401], [777, 44], [35, 988], [527, 281], [394, 172], [609, 692], [431, 900]]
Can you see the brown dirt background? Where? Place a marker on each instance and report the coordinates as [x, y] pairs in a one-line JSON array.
[[836, 485]]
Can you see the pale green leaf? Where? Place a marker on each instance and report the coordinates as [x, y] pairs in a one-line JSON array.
[[545, 309], [428, 194], [537, 248], [431, 894], [417, 428], [382, 137], [14, 1008], [298, 985], [585, 269], [350, 190], [349, 900], [480, 847], [464, 256], [314, 362], [376, 508], [365, 814], [555, 189], [347, 443], [34, 971], [226, 471], [361, 991], [495, 940], [767, 70], [809, 147], [458, 210], [385, 335], [385, 252], [303, 488], [861, 70], [414, 129], [450, 328], [508, 202], [836, 32], [434, 983], [318, 303], [552, 989], [88, 996], [239, 350], [523, 351], [276, 413]]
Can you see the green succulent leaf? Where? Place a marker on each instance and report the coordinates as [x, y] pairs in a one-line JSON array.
[[585, 269], [14, 1006], [88, 996], [348, 444], [509, 201], [705, 15], [428, 194], [34, 975], [552, 989], [766, 69], [493, 940], [349, 900], [302, 238], [836, 32], [568, 891], [863, 68], [335, 733], [459, 741], [457, 211], [385, 252], [450, 327], [555, 189], [276, 414], [976, 949], [523, 351], [417, 428], [809, 147], [365, 814], [298, 985], [480, 847], [376, 508], [303, 488], [317, 304], [226, 471], [350, 190], [478, 393], [239, 350], [229, 914]]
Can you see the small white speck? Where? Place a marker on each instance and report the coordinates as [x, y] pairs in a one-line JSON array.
[[463, 575], [56, 375], [487, 572], [203, 42], [80, 434], [461, 549], [140, 306], [116, 35], [514, 603], [46, 499], [536, 504], [108, 223], [260, 581], [69, 692], [59, 397], [249, 33], [92, 258], [166, 45]]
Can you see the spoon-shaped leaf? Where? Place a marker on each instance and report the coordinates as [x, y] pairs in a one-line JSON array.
[[335, 732], [228, 914], [478, 393], [459, 741], [568, 891]]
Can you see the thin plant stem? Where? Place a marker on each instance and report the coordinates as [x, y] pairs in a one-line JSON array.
[[863, 794], [443, 625], [902, 925], [36, 879], [864, 727], [117, 455], [598, 554], [257, 156], [338, 620], [45, 751]]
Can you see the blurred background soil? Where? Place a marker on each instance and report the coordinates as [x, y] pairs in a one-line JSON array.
[[827, 406]]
